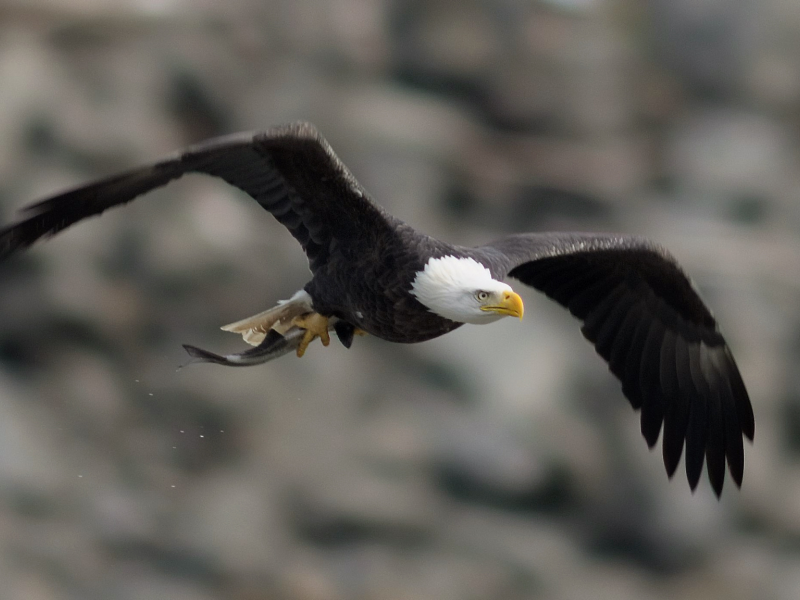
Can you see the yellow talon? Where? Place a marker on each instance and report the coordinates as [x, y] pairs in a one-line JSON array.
[[359, 332], [316, 326]]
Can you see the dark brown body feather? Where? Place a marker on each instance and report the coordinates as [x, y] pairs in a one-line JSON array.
[[637, 306]]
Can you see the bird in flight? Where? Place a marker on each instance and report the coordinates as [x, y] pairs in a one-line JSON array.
[[374, 274]]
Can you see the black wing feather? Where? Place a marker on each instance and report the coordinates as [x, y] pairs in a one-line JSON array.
[[624, 339], [697, 432], [646, 320], [676, 414], [715, 448], [653, 403], [291, 171], [631, 368]]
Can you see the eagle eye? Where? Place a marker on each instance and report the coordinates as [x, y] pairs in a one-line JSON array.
[[482, 296]]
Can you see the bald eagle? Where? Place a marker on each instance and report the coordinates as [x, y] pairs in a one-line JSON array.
[[374, 274]]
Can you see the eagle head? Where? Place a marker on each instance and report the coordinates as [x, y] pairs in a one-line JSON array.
[[462, 289]]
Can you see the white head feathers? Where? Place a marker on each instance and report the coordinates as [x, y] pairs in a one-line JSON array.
[[448, 286]]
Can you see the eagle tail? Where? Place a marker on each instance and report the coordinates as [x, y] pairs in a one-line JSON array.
[[254, 329]]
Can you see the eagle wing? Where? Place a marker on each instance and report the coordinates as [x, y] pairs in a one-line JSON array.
[[291, 171], [646, 320]]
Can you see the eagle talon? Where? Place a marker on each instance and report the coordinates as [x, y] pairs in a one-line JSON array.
[[316, 326]]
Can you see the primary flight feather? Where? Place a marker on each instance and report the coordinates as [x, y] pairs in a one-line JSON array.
[[372, 273]]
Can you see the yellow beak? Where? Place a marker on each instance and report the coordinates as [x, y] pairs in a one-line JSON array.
[[511, 306]]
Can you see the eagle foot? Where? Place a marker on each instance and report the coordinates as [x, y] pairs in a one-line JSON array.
[[315, 326]]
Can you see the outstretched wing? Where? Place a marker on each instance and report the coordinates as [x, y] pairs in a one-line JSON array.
[[291, 171], [646, 320]]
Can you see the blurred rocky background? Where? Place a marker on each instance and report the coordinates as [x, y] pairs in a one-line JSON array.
[[495, 463]]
